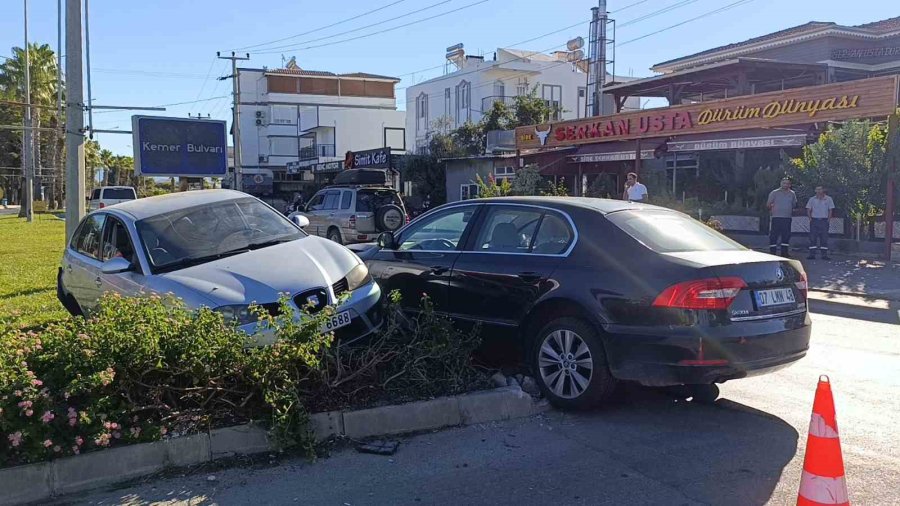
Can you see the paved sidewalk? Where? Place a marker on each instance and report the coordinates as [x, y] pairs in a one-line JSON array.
[[873, 278]]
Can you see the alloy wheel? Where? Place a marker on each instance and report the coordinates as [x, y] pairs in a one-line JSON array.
[[565, 363]]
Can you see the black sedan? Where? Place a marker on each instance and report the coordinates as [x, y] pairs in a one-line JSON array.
[[602, 290]]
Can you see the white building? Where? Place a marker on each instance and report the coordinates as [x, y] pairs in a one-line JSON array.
[[308, 120], [463, 95]]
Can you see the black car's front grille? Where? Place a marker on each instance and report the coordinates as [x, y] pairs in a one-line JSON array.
[[340, 287], [312, 301]]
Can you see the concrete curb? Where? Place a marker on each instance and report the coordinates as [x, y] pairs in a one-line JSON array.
[[39, 482], [876, 296]]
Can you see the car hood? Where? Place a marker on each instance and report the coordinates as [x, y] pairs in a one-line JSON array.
[[263, 275]]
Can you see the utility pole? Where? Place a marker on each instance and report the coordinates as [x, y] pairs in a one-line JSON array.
[[27, 146], [236, 116], [74, 119]]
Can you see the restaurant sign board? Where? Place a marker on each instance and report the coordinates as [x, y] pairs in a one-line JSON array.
[[865, 98]]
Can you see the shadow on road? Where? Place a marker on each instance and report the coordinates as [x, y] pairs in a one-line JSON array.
[[725, 453]]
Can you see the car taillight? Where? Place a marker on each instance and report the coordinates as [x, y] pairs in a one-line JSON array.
[[352, 221], [101, 206], [803, 285], [713, 293]]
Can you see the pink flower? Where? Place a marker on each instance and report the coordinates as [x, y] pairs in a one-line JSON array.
[[103, 440], [18, 393], [71, 413], [72, 422], [79, 440], [29, 412], [75, 450], [15, 439], [25, 404], [48, 417], [163, 431], [66, 395], [111, 426], [37, 382], [48, 443], [135, 432]]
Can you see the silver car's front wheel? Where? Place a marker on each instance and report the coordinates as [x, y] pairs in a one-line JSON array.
[[570, 364]]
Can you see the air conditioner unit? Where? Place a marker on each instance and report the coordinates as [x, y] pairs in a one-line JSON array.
[[260, 114], [259, 122], [263, 159]]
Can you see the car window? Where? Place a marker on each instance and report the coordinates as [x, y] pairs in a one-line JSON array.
[[95, 194], [316, 203], [332, 199], [554, 235], [368, 201], [119, 194], [345, 200], [204, 233], [508, 229], [671, 232], [116, 242], [441, 232], [88, 240]]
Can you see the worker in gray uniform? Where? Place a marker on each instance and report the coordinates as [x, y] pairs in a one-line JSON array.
[[781, 206]]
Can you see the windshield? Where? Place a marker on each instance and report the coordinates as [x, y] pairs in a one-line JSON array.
[[368, 201], [200, 234], [119, 194], [670, 232]]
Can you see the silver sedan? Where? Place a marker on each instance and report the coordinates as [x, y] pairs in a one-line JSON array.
[[221, 249]]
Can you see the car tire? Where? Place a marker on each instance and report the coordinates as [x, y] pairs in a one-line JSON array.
[[570, 364], [389, 218], [704, 394], [67, 300], [334, 235]]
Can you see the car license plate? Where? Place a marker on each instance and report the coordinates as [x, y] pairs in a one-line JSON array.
[[337, 321], [775, 297]]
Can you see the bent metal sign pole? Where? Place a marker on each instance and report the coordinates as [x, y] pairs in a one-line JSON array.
[[179, 147], [866, 98]]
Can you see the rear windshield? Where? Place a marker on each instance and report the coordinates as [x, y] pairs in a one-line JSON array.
[[671, 232], [368, 201], [119, 194]]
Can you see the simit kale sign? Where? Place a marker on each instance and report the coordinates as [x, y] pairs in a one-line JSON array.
[[176, 147]]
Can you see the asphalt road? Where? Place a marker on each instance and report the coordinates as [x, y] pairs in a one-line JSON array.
[[647, 448]]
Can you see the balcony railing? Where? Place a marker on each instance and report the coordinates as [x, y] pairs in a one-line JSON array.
[[488, 102], [316, 151]]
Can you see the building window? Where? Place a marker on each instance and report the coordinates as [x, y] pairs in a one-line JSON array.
[[468, 191], [283, 115], [522, 87], [552, 95], [504, 173], [499, 88], [582, 102], [283, 146], [463, 101], [448, 107], [422, 113]]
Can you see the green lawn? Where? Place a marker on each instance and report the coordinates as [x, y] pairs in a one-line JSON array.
[[29, 258]]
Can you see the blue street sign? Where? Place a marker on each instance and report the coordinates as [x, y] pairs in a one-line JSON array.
[[177, 147]]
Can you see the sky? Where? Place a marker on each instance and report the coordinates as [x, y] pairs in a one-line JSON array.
[[152, 53]]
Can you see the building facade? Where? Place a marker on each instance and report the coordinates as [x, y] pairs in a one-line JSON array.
[[464, 95], [298, 123]]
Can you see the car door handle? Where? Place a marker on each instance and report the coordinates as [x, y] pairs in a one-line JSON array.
[[530, 277], [439, 269]]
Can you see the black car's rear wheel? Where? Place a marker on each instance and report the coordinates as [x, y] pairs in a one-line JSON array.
[[570, 364]]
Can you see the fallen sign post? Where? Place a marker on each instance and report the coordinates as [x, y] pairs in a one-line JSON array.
[[179, 147]]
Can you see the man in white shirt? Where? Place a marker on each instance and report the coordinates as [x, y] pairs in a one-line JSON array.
[[820, 210], [635, 191]]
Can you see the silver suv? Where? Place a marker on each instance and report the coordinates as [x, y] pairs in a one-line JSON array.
[[349, 214]]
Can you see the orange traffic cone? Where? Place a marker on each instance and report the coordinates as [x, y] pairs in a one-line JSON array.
[[823, 480]]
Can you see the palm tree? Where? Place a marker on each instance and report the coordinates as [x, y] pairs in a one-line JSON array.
[[43, 68]]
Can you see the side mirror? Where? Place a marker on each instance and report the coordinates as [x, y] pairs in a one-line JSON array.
[[115, 265], [387, 241], [300, 220]]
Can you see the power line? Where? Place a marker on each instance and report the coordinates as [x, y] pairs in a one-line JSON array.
[[277, 49], [657, 13], [383, 31], [628, 6], [710, 13], [320, 28], [173, 104], [206, 79]]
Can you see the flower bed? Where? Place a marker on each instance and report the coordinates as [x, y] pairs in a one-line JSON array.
[[141, 369]]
